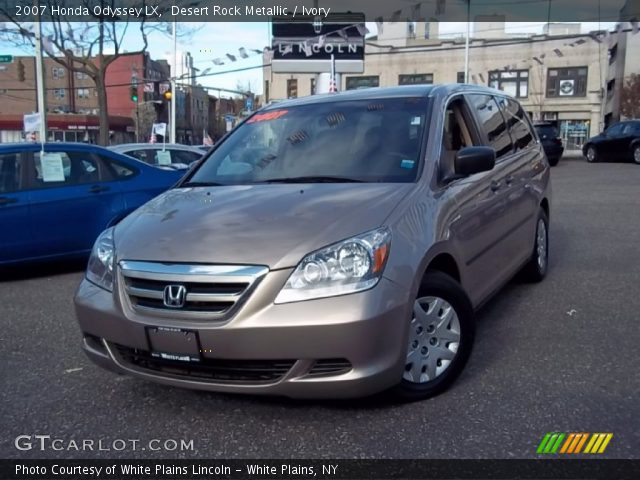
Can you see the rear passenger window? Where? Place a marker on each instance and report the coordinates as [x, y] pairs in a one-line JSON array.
[[9, 173], [492, 122], [518, 123], [117, 169], [65, 168]]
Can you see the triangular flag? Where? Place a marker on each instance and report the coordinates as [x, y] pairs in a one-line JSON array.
[[243, 52], [217, 61], [231, 57], [362, 30]]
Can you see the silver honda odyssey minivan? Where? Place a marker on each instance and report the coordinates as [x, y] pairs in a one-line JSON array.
[[329, 246]]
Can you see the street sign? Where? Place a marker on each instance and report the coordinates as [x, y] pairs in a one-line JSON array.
[[6, 58]]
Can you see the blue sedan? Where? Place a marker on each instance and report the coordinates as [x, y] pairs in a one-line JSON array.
[[55, 204]]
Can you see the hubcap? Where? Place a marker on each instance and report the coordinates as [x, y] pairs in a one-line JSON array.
[[591, 154], [434, 338], [636, 155], [541, 245]]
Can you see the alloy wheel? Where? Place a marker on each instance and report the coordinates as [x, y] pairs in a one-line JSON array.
[[591, 154], [541, 245], [434, 338], [636, 154]]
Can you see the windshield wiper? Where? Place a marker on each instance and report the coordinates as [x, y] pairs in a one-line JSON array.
[[312, 179], [202, 184]]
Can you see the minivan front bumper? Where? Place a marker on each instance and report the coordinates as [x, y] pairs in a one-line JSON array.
[[339, 347]]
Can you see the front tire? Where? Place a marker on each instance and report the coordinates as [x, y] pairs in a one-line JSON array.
[[536, 268], [592, 154], [441, 334]]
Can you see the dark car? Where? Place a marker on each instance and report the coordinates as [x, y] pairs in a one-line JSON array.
[[330, 246], [551, 142], [619, 142], [170, 155], [54, 204]]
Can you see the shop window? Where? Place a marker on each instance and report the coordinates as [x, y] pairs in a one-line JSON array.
[[415, 79], [355, 83]]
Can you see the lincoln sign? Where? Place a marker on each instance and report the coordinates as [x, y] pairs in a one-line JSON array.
[[305, 44]]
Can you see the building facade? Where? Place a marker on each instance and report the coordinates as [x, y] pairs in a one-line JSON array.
[[558, 78]]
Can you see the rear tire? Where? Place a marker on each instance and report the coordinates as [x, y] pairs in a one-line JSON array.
[[440, 339], [592, 154], [536, 268], [636, 154]]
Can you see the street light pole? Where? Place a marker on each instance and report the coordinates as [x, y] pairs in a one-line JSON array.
[[42, 106], [173, 84], [466, 44]]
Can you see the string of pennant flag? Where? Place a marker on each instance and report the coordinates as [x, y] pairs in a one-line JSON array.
[[319, 40]]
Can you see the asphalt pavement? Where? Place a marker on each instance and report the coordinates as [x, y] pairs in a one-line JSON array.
[[561, 355]]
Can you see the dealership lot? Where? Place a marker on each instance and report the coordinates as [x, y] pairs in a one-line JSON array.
[[557, 356]]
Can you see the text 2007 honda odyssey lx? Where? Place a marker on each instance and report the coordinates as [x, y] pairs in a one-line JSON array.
[[331, 246]]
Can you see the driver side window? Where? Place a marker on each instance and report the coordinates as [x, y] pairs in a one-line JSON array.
[[456, 135]]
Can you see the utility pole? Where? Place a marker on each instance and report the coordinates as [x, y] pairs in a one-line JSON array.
[[466, 43], [42, 106], [173, 84]]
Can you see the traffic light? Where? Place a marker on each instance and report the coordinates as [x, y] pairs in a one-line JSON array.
[[20, 67], [134, 93], [167, 95]]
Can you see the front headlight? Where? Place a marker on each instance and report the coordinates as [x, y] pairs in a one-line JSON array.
[[100, 268], [348, 266]]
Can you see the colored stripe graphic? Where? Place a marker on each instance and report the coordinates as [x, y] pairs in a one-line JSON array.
[[573, 443]]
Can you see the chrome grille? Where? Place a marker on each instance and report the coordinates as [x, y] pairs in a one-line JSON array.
[[211, 290]]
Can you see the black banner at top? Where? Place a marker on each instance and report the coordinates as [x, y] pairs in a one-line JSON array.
[[293, 469], [265, 10]]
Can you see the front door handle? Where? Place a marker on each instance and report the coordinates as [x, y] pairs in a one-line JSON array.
[[98, 189], [7, 200], [495, 186]]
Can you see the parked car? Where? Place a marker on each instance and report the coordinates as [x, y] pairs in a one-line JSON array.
[[620, 141], [551, 142], [170, 155], [330, 246], [55, 205]]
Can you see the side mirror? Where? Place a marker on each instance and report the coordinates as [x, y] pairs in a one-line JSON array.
[[472, 160]]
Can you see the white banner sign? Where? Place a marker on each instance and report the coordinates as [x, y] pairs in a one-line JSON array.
[[159, 129], [32, 122]]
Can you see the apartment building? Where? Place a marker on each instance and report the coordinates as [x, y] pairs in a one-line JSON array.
[[559, 76]]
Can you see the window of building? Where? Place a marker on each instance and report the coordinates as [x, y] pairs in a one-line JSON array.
[[58, 93], [266, 91], [611, 85], [415, 79], [460, 77], [513, 82], [81, 76], [83, 93], [355, 83], [312, 86], [567, 82], [488, 113], [411, 29], [57, 72], [613, 53], [292, 88]]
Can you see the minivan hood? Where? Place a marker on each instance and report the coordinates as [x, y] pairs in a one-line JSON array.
[[274, 225]]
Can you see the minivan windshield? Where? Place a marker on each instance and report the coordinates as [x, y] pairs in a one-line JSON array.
[[374, 140]]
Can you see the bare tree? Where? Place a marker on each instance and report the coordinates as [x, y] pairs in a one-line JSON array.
[[629, 94], [84, 47]]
